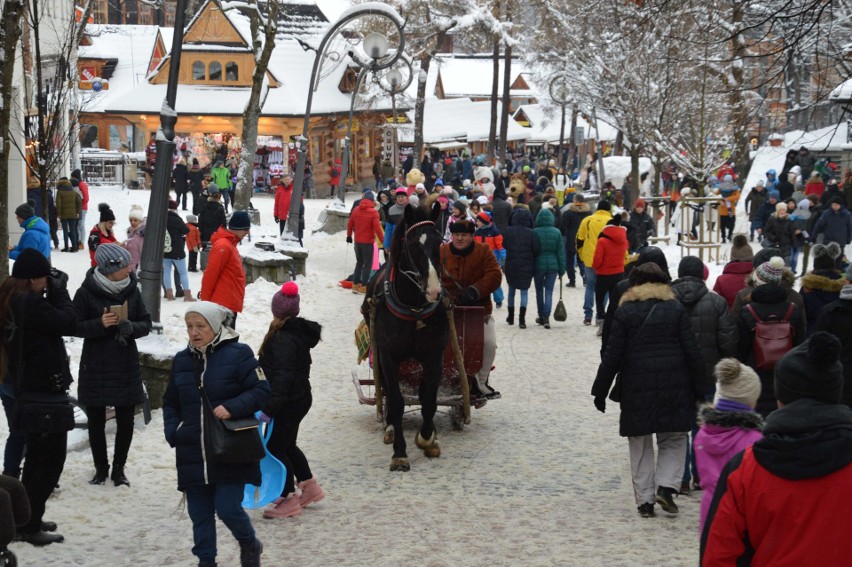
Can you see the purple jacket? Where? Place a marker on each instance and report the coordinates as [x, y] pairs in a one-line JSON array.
[[722, 435]]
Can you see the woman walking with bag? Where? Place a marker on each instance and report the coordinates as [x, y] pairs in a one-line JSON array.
[[228, 371], [285, 357], [549, 264], [109, 365], [36, 364]]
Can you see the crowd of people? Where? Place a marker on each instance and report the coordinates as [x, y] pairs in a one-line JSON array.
[[731, 382]]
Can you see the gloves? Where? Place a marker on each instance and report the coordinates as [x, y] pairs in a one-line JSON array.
[[57, 280], [125, 328], [600, 403], [264, 418], [276, 219], [470, 296], [348, 240]]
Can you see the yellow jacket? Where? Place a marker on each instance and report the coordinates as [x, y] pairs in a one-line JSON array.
[[588, 233]]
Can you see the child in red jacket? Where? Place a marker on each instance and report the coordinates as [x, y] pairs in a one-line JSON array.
[[193, 241]]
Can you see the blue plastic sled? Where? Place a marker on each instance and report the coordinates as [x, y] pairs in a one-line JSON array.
[[273, 475]]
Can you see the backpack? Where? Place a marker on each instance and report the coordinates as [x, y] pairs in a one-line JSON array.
[[772, 338]]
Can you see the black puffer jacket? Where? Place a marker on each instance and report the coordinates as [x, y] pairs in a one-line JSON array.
[[768, 300], [286, 361], [42, 352], [715, 330], [177, 230], [109, 371], [819, 288], [228, 371], [643, 228], [781, 233], [501, 210], [569, 223], [211, 216], [522, 246], [836, 318], [657, 360]]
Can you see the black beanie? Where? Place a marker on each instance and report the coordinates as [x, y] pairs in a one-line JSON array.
[[30, 264], [106, 213], [811, 370], [691, 266], [653, 254], [26, 210], [764, 255], [603, 205]]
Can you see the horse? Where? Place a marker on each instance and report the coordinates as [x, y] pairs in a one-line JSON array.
[[410, 324]]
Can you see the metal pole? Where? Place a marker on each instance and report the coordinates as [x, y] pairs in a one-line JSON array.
[[393, 133], [151, 271], [347, 141], [370, 8], [562, 139], [600, 156]]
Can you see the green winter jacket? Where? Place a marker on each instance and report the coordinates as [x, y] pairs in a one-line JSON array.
[[552, 255], [69, 204], [221, 177]]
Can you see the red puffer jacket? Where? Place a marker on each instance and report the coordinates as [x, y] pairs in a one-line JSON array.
[[732, 280], [364, 222], [224, 280], [611, 251], [282, 201]]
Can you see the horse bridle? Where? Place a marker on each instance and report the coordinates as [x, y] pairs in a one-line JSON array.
[[411, 275]]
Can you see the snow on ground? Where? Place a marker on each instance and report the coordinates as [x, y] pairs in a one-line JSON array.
[[538, 478]]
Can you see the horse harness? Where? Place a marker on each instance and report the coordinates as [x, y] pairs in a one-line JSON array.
[[384, 291]]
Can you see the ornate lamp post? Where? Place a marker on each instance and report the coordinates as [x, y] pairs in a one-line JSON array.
[[396, 84], [559, 94], [371, 48], [151, 265]]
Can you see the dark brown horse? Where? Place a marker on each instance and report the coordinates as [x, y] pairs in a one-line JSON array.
[[410, 324]]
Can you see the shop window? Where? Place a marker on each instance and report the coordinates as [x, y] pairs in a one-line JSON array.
[[215, 71], [198, 71], [232, 71]]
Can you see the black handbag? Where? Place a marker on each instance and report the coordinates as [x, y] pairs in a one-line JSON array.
[[231, 441], [43, 413], [560, 314]]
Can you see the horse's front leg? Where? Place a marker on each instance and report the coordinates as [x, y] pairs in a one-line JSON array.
[[426, 438], [395, 408]]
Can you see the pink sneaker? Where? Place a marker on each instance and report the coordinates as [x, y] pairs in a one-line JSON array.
[[284, 508], [311, 492]]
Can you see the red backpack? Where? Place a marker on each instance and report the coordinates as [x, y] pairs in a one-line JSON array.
[[772, 338]]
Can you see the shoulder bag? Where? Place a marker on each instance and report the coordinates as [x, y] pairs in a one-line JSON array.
[[560, 314], [229, 440]]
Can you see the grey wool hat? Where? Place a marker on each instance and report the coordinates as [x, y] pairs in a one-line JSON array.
[[111, 258]]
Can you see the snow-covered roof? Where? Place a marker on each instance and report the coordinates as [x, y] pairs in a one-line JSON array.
[[132, 47], [457, 120], [471, 77], [829, 139], [544, 125], [842, 93]]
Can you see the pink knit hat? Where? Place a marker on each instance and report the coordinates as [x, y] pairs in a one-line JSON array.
[[285, 302]]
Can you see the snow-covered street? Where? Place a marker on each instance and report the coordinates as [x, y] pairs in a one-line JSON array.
[[537, 478]]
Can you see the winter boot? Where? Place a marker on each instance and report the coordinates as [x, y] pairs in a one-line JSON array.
[[170, 295], [187, 295], [546, 322], [511, 317], [311, 492], [206, 564], [40, 538], [283, 508], [522, 318], [250, 553], [118, 477], [101, 474], [665, 499]]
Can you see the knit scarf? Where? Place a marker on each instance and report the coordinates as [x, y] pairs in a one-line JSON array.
[[110, 286]]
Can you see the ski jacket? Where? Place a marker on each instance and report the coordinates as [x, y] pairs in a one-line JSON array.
[[588, 233], [611, 251], [224, 280], [36, 235], [364, 223], [732, 280]]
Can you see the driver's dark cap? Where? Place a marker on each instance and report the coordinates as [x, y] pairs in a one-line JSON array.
[[463, 226]]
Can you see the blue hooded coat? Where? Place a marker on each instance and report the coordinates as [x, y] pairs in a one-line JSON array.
[[36, 235]]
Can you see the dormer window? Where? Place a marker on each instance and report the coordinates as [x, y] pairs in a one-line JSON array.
[[198, 71], [232, 71], [215, 71]]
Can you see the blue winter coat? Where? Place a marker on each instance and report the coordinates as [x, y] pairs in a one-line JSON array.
[[552, 256], [228, 370], [36, 235], [522, 246]]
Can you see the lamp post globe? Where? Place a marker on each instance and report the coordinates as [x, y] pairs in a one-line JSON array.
[[394, 78], [375, 45]]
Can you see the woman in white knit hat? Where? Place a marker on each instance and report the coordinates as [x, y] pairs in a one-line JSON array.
[[728, 426]]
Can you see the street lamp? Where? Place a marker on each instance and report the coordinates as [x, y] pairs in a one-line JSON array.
[[559, 94], [376, 47], [371, 47], [397, 84], [151, 264]]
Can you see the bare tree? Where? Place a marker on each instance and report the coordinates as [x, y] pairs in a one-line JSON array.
[[263, 30], [11, 34]]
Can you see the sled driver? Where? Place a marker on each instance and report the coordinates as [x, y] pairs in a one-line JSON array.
[[470, 275]]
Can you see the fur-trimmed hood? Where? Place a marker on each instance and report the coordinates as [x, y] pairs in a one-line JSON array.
[[643, 292], [823, 281], [578, 208], [709, 415]]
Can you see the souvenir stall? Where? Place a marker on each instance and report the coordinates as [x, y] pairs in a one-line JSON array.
[[268, 163]]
